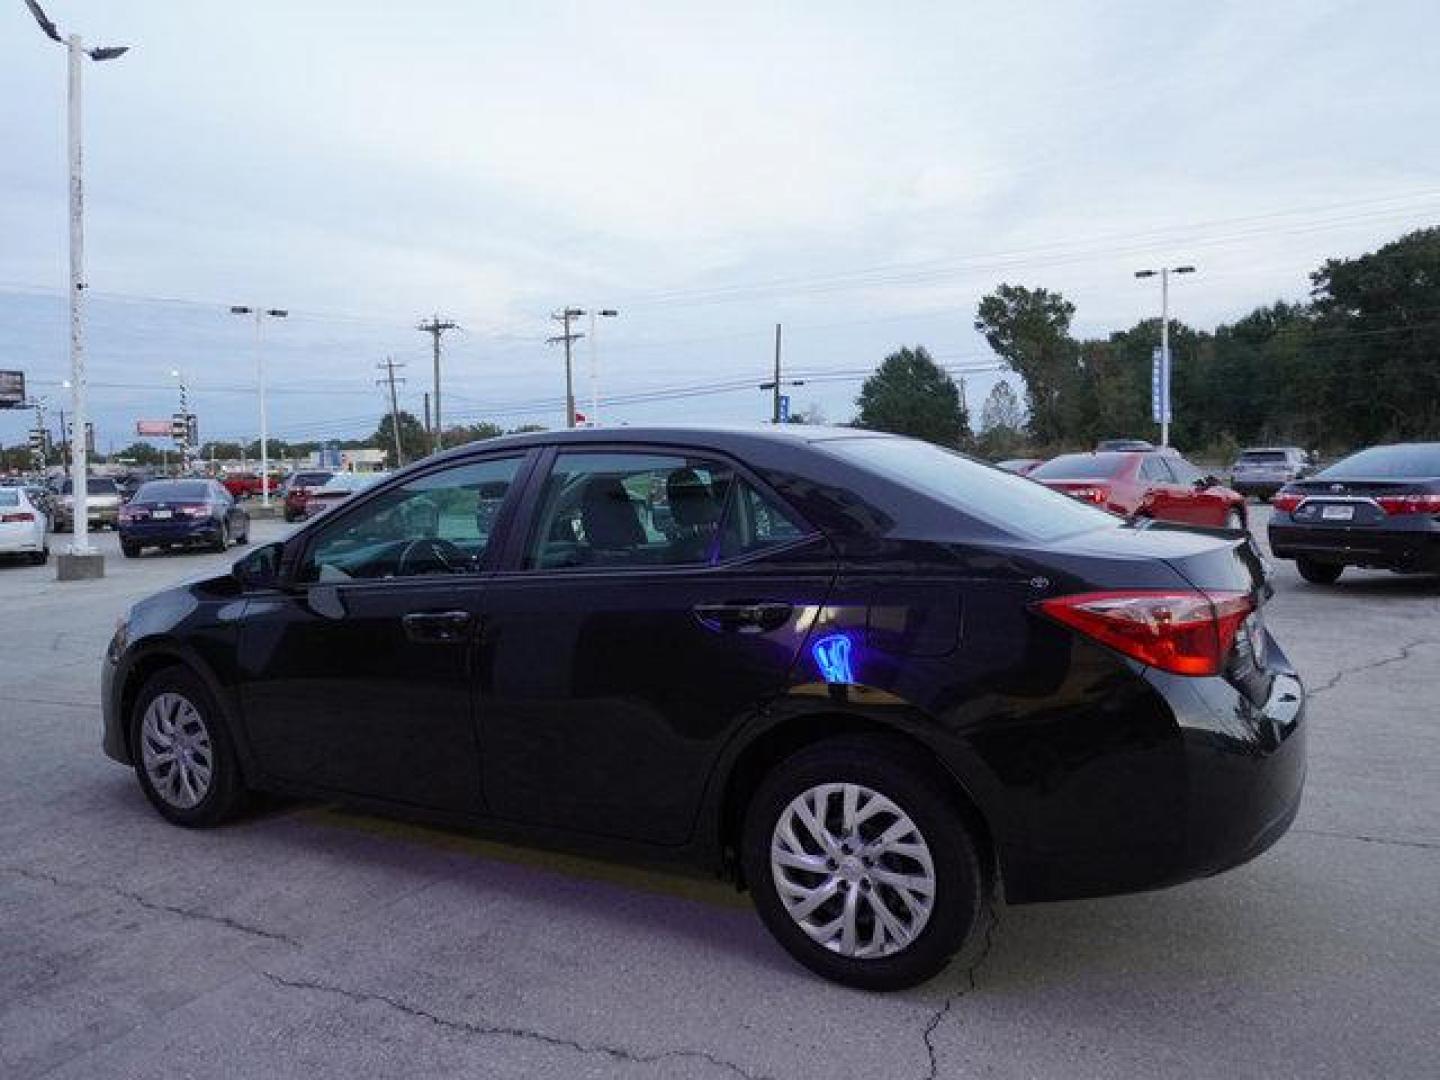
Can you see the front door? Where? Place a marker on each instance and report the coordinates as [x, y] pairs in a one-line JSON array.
[[359, 679], [659, 599]]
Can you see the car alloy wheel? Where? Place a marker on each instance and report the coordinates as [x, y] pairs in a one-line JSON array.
[[853, 870], [176, 751]]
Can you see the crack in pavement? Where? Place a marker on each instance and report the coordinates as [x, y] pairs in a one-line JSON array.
[[1423, 845], [507, 1031], [150, 905], [1404, 654], [928, 1035]]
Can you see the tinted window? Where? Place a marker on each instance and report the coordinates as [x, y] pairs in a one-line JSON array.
[[1416, 459], [309, 479], [1008, 502], [438, 523], [629, 509], [93, 486], [1259, 457], [174, 491], [1079, 467], [754, 523], [1185, 473]]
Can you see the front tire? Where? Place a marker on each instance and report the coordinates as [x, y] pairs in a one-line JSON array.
[[1318, 573], [861, 866], [129, 549], [184, 757]]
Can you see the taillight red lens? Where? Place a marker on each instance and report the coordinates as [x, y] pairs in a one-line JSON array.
[[1287, 501], [23, 515], [1188, 633], [1091, 494], [1424, 502]]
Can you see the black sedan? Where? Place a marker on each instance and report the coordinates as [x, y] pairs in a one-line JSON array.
[[1378, 508], [873, 681], [181, 513]]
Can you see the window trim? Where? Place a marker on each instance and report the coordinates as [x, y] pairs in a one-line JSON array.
[[292, 565], [512, 561]]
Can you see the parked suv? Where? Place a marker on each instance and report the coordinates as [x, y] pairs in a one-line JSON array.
[[102, 503], [1262, 472]]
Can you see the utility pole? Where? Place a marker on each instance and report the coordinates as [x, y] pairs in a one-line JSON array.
[[435, 327], [568, 338], [1164, 373], [389, 365], [427, 412], [775, 385]]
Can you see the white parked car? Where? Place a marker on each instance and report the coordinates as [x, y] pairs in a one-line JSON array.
[[22, 526]]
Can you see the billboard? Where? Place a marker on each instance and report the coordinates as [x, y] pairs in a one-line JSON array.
[[152, 429], [12, 389]]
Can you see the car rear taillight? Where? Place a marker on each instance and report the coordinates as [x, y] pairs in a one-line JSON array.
[[1095, 493], [1424, 502], [1188, 633], [23, 515], [1286, 501], [194, 510]]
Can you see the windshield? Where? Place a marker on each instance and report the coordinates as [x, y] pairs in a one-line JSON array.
[[173, 490], [1079, 467], [1408, 460], [1013, 503]]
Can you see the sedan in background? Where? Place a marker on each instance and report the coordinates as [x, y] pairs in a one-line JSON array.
[[1263, 472], [182, 513], [1156, 484], [22, 526], [297, 488], [1020, 466], [1378, 508], [102, 503], [336, 490], [875, 682], [1111, 445]]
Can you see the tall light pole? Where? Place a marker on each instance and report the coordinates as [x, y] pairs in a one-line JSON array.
[[80, 550], [1165, 272], [176, 373], [260, 315], [604, 313]]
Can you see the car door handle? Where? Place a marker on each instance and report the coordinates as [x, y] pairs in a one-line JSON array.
[[438, 627], [743, 616]]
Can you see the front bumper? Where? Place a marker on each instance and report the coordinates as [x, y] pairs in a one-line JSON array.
[[1406, 545]]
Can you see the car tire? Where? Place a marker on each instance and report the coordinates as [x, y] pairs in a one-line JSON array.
[[815, 784], [184, 757], [40, 558], [1319, 573], [129, 550], [243, 538], [222, 541]]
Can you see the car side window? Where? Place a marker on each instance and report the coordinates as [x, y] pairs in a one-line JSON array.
[[1185, 473], [1153, 468], [754, 523], [616, 509], [435, 523]]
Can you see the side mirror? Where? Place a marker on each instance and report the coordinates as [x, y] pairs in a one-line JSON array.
[[260, 568], [1203, 482]]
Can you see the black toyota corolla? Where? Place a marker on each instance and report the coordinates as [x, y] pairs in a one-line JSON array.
[[877, 683]]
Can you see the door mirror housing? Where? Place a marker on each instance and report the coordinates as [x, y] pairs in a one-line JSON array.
[[260, 568], [1203, 482]]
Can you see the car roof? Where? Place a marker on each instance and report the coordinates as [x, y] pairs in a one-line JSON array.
[[732, 437]]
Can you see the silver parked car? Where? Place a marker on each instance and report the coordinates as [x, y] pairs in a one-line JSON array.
[[1265, 470], [102, 504]]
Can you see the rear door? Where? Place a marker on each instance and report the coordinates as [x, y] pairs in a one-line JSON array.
[[655, 598]]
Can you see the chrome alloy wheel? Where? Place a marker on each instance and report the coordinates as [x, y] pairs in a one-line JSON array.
[[853, 870], [175, 750]]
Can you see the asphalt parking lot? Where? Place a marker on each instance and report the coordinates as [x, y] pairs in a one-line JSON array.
[[309, 941]]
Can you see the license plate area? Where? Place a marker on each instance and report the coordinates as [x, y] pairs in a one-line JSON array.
[[1333, 512], [161, 515]]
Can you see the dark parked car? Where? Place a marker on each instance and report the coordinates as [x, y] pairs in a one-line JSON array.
[[872, 680], [1378, 508], [182, 513], [297, 488], [1151, 484], [1263, 472]]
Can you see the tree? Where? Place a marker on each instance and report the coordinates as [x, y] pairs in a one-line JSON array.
[[1030, 330], [414, 441], [460, 434], [910, 395], [142, 453], [1002, 422]]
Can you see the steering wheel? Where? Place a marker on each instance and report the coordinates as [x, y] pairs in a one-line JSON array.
[[442, 555]]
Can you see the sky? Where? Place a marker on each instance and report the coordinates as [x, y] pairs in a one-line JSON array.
[[860, 173]]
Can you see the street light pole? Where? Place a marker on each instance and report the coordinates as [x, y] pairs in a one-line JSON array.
[[1164, 273], [260, 313], [605, 313]]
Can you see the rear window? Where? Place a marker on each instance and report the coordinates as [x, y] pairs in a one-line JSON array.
[[9, 497], [173, 490], [93, 486], [1020, 507], [1079, 467], [1416, 459], [309, 479], [1265, 457]]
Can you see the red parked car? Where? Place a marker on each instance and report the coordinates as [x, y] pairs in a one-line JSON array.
[[245, 485], [1156, 483]]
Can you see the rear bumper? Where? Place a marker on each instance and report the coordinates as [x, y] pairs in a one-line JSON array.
[[1257, 487], [1414, 548], [1216, 788], [204, 530]]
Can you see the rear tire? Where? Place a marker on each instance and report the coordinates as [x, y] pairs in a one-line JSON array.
[[222, 542], [877, 785], [184, 757], [40, 558], [1318, 573], [129, 550]]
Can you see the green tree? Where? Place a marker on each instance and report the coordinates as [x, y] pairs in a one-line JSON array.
[[1002, 422], [414, 441], [142, 453], [910, 395], [1030, 330]]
